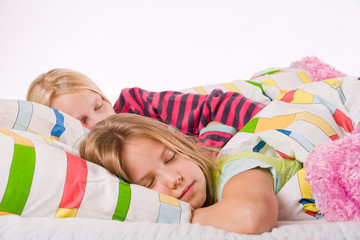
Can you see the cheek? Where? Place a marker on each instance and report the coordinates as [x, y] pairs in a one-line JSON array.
[[162, 189], [196, 171], [108, 111]]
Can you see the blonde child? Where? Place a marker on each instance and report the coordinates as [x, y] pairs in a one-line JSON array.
[[75, 94], [71, 92], [146, 152]]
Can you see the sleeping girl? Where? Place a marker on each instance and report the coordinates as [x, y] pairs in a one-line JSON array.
[[77, 95], [146, 152]]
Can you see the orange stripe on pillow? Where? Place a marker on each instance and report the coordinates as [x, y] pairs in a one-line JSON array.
[[7, 213]]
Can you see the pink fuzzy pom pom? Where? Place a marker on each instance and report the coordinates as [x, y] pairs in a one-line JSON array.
[[317, 69], [333, 172]]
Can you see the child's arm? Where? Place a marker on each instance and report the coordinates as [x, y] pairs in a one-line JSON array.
[[189, 112], [248, 204], [216, 134]]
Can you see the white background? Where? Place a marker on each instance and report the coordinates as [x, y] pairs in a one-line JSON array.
[[168, 44]]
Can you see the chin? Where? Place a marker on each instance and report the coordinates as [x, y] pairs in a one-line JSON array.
[[196, 205]]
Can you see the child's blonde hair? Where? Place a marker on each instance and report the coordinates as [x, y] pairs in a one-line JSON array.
[[106, 141], [59, 81]]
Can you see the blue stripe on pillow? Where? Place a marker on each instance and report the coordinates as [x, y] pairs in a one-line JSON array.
[[168, 213], [59, 127]]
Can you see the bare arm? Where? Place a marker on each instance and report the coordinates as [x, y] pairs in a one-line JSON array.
[[248, 205]]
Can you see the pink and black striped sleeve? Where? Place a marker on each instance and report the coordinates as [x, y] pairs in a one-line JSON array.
[[216, 135], [189, 112]]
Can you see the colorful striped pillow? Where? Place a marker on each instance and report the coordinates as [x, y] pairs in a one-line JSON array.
[[42, 120], [42, 177]]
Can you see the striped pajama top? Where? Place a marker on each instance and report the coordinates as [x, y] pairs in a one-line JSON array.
[[189, 112]]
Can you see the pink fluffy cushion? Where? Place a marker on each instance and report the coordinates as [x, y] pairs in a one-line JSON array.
[[333, 172], [317, 69]]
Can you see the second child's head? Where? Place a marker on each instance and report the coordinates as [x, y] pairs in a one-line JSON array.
[[71, 92], [146, 152]]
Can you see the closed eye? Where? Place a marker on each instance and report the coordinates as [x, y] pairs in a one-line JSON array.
[[151, 183], [98, 106], [171, 158]]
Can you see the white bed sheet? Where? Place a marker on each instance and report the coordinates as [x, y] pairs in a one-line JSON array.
[[15, 227]]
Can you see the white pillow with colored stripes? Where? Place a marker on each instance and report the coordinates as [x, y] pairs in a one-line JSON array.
[[41, 179], [42, 120], [42, 176]]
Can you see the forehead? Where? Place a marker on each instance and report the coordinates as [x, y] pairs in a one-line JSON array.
[[138, 151], [147, 145], [74, 103], [77, 93]]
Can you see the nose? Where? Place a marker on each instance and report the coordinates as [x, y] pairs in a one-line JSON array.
[[173, 179], [91, 121]]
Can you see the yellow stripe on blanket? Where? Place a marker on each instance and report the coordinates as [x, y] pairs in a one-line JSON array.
[[318, 121], [231, 87], [277, 122], [302, 97], [306, 191], [270, 82], [283, 121], [304, 186], [333, 82], [200, 90], [304, 77]]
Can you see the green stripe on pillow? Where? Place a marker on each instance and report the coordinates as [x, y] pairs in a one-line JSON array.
[[123, 203], [20, 179]]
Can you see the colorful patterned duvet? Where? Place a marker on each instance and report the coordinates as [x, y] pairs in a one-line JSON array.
[[293, 124]]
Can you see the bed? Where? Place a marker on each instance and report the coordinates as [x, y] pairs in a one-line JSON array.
[[14, 227], [48, 192]]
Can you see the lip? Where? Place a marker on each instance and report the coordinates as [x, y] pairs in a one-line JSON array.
[[187, 191]]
